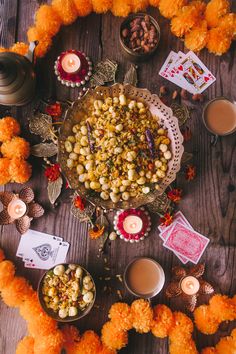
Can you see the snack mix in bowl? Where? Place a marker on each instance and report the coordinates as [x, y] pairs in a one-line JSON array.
[[67, 290], [119, 149]]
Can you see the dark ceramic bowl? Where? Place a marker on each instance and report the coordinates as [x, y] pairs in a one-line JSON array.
[[129, 53], [53, 314]]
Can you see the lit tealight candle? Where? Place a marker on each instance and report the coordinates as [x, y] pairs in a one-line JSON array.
[[16, 208], [71, 63], [132, 224], [190, 285]]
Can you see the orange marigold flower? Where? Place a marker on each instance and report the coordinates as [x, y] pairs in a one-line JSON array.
[[223, 308], [83, 7], [25, 346], [226, 345], [228, 23], [47, 20], [121, 8], [3, 50], [20, 170], [41, 325], [53, 172], [218, 41], [16, 292], [190, 172], [66, 10], [182, 327], [196, 39], [167, 219], [112, 337], [204, 320], [154, 3], [31, 309], [139, 5], [105, 350], [120, 315], [9, 127], [4, 171], [101, 6], [16, 147], [142, 315], [19, 48], [209, 350], [175, 195], [233, 333], [71, 339], [185, 346], [50, 344], [7, 272], [187, 17], [44, 41], [215, 9], [89, 344], [162, 322], [170, 8], [2, 255]]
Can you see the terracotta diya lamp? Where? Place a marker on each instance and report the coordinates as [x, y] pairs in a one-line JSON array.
[[144, 277], [132, 225], [73, 68]]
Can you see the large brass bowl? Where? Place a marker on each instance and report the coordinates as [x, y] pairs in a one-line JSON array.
[[156, 107]]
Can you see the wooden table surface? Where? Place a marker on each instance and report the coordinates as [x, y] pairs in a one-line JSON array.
[[208, 203]]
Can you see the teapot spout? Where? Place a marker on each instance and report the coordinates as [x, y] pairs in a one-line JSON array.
[[30, 54]]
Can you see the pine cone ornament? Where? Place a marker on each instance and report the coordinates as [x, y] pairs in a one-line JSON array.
[[27, 195], [35, 210], [173, 290], [28, 209], [23, 224], [206, 288], [197, 270]]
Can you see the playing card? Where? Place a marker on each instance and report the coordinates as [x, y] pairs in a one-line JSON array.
[[33, 235], [46, 255], [192, 72], [169, 72], [186, 242], [179, 216]]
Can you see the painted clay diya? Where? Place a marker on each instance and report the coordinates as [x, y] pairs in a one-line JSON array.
[[132, 225]]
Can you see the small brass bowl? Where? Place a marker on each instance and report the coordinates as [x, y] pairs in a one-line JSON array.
[[129, 53], [53, 314]]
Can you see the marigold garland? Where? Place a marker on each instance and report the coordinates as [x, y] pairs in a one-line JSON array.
[[45, 337], [188, 18]]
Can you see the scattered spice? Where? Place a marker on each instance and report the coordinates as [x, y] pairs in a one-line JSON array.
[[184, 94], [79, 203], [198, 97], [96, 231], [167, 219], [175, 195], [54, 110], [187, 134], [52, 172], [190, 172], [119, 294], [163, 91], [175, 95]]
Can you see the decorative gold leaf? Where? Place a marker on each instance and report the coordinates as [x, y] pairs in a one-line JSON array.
[[181, 112], [173, 290], [205, 287], [41, 124], [160, 205], [197, 270], [131, 76], [54, 189], [178, 272], [44, 150], [190, 302], [186, 157]]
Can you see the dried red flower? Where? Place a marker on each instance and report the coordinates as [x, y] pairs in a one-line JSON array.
[[79, 203], [175, 195], [54, 110], [53, 172], [190, 172], [167, 219], [187, 134]]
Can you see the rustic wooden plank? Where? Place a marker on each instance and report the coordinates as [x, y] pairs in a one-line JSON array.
[[209, 201]]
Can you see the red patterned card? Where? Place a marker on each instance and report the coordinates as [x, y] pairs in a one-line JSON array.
[[188, 243]]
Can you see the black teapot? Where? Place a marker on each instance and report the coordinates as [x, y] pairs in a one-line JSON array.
[[17, 77]]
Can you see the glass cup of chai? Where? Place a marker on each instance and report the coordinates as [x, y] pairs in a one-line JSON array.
[[219, 116], [144, 277]]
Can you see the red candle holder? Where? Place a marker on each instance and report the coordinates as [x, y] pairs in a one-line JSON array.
[[78, 78], [132, 237]]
